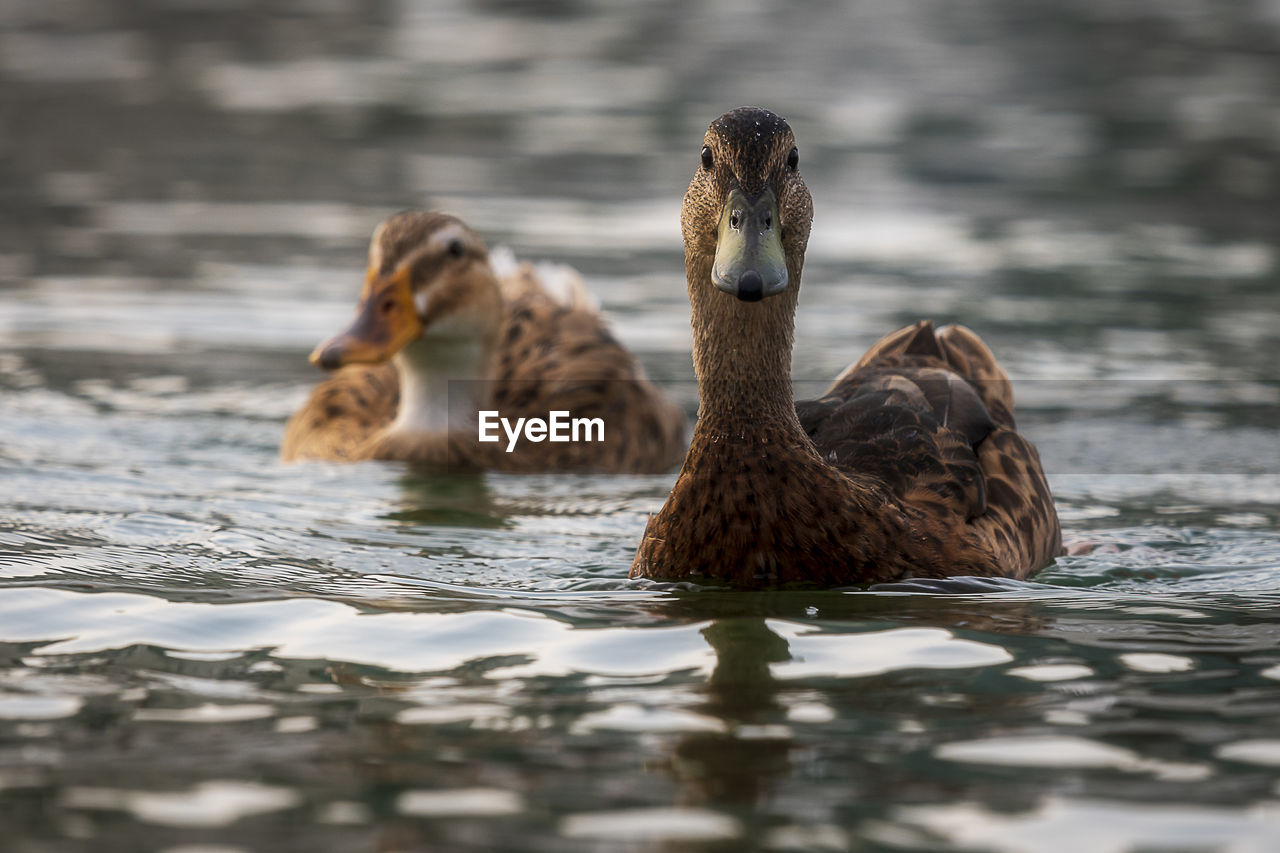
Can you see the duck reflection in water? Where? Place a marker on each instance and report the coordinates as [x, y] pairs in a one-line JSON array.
[[749, 767], [462, 498], [732, 768]]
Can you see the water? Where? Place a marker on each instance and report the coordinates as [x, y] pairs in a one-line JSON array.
[[204, 650]]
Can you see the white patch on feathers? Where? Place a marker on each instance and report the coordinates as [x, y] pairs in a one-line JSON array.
[[560, 282], [503, 261]]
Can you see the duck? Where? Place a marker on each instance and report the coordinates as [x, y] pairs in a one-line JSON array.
[[443, 348], [908, 465]]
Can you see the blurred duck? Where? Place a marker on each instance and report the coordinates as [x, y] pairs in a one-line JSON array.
[[908, 466], [439, 336]]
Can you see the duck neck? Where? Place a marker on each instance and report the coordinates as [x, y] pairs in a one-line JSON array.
[[441, 384], [742, 356]]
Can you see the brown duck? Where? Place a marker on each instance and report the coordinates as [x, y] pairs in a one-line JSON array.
[[439, 336], [908, 466]]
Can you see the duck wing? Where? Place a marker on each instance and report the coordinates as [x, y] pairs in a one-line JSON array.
[[343, 413], [929, 414], [557, 353], [954, 347]]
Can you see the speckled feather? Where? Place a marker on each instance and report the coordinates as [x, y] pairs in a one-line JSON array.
[[930, 416], [343, 413], [908, 466], [553, 356], [549, 354]]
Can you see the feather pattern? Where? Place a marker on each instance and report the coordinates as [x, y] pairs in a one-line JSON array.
[[512, 343], [909, 465], [929, 414]]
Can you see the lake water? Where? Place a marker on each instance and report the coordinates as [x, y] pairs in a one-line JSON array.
[[205, 651]]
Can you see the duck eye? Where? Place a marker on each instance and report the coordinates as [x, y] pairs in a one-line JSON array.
[[793, 160], [455, 248], [707, 160]]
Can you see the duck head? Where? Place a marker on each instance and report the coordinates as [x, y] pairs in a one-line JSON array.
[[747, 209], [428, 278]]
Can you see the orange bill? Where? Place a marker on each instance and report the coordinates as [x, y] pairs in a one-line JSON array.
[[385, 322]]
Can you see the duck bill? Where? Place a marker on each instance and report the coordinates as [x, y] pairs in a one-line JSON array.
[[749, 262], [385, 322]]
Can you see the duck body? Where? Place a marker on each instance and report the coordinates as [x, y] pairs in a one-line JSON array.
[[908, 466], [477, 341]]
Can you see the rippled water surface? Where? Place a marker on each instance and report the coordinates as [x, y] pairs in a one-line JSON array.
[[202, 649]]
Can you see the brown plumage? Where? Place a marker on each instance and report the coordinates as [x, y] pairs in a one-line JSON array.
[[440, 336], [908, 466]]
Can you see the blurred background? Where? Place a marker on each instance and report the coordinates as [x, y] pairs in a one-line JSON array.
[[199, 646], [1097, 166]]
